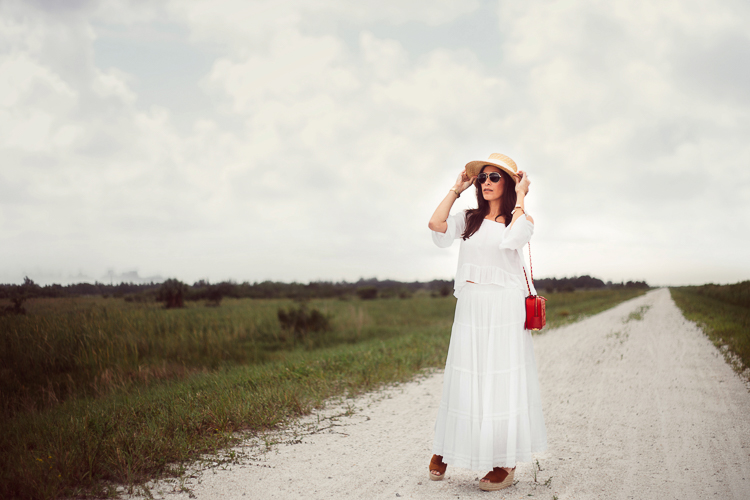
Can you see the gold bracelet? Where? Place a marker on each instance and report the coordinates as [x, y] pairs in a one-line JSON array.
[[458, 195], [516, 208]]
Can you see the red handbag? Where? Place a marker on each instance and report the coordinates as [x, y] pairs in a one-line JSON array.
[[536, 316]]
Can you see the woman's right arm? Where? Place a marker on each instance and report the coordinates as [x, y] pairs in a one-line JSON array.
[[438, 220]]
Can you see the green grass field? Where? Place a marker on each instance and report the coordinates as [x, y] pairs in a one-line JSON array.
[[723, 311], [97, 392]]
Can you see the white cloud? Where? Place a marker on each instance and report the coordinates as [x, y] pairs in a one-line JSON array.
[[323, 158], [245, 26], [111, 84], [615, 120], [385, 59], [32, 101]]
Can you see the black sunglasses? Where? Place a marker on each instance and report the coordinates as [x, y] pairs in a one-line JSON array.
[[494, 177]]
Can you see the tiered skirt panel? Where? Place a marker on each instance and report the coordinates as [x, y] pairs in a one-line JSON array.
[[490, 414]]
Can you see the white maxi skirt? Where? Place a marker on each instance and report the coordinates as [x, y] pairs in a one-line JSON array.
[[490, 414]]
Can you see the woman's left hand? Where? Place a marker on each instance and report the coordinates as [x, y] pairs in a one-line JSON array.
[[522, 183]]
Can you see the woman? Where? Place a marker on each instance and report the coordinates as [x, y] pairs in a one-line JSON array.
[[490, 415]]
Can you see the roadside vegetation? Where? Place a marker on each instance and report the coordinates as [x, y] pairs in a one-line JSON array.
[[723, 312], [98, 391]]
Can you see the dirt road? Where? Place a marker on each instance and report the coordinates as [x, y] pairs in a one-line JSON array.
[[638, 404]]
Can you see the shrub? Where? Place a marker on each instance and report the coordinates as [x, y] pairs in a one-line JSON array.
[[17, 307], [18, 295], [301, 321], [172, 293], [214, 296], [140, 298], [367, 292]]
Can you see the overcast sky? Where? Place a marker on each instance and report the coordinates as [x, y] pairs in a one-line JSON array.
[[312, 139]]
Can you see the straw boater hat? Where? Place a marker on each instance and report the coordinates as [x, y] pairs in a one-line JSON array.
[[496, 160]]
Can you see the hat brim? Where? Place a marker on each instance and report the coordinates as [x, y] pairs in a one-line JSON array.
[[473, 168]]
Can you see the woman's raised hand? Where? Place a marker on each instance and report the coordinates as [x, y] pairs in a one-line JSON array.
[[438, 220], [464, 181], [522, 182]]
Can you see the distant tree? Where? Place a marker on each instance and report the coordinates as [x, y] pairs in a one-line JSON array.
[[636, 284], [18, 295], [172, 293], [214, 295], [367, 292]]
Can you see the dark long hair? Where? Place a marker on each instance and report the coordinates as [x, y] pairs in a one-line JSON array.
[[475, 216]]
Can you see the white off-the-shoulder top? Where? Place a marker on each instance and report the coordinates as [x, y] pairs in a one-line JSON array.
[[493, 255]]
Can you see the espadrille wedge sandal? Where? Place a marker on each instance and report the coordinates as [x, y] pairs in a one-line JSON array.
[[436, 464], [498, 479]]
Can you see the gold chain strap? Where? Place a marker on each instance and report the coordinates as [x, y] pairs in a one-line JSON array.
[[531, 269]]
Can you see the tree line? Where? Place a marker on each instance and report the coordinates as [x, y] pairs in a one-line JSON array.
[[586, 282], [174, 292]]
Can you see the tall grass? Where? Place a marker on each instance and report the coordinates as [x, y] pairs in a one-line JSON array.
[[91, 346], [723, 311], [97, 391], [88, 347], [737, 294], [81, 445]]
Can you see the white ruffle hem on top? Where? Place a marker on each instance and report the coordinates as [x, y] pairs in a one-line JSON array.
[[490, 414]]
